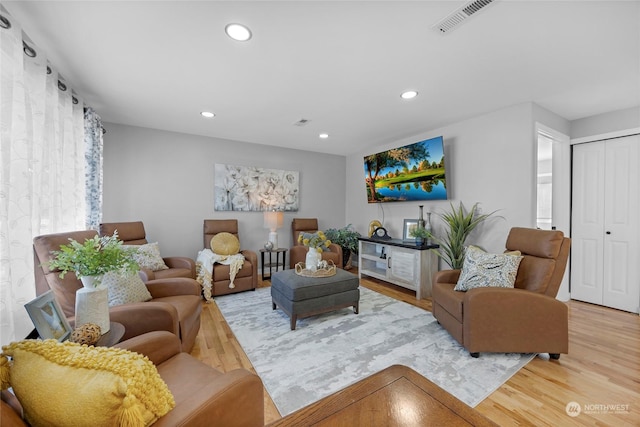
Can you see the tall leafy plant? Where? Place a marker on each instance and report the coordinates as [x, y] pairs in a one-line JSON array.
[[458, 225]]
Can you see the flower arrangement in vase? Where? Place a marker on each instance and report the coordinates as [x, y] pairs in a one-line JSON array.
[[317, 243], [94, 257]]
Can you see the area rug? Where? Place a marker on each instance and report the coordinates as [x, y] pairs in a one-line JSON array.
[[328, 352]]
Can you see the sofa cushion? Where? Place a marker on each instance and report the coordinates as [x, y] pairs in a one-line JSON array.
[[125, 288], [148, 256], [481, 269], [68, 384], [225, 244]]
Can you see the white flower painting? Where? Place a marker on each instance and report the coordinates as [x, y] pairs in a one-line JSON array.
[[242, 188]]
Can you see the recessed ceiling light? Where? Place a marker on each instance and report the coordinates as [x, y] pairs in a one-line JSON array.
[[323, 135], [238, 32], [409, 94], [207, 114]]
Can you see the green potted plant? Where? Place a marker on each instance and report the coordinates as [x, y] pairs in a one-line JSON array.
[[421, 235], [347, 239], [93, 258], [459, 224]]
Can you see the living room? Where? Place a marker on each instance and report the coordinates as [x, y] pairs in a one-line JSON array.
[[164, 175]]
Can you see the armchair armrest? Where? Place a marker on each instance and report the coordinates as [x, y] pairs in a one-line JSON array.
[[146, 274], [446, 276], [250, 256], [158, 346], [517, 319], [181, 262], [234, 398], [143, 317], [174, 286]]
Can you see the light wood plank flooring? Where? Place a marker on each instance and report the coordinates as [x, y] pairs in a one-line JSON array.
[[602, 368]]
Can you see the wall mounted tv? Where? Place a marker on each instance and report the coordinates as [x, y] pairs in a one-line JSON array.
[[410, 173]]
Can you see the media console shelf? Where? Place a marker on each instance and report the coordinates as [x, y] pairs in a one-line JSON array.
[[401, 263]]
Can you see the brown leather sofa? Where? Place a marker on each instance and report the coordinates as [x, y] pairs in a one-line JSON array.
[[175, 307], [298, 251], [203, 395], [247, 278], [133, 233], [526, 319]]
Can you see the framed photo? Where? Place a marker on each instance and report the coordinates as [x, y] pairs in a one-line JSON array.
[[409, 224], [48, 318]]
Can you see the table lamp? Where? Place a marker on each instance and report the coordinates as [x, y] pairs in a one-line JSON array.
[[273, 221]]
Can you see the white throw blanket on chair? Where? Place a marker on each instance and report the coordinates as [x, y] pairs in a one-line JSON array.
[[204, 269]]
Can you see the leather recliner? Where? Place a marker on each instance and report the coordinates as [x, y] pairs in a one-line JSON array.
[[298, 251], [203, 395], [247, 278], [175, 307], [525, 319], [133, 233]]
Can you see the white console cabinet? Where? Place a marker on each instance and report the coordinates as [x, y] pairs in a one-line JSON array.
[[403, 264]]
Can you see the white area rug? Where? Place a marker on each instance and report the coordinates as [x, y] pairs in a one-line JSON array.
[[326, 353]]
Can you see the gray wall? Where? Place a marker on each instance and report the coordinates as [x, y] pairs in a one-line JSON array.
[[613, 121], [165, 179], [490, 159]]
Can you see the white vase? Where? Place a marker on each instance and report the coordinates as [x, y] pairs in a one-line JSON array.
[[92, 303], [312, 259]]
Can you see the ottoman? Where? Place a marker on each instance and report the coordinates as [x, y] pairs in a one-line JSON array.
[[300, 296]]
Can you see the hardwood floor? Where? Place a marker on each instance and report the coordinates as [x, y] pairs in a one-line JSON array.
[[601, 373]]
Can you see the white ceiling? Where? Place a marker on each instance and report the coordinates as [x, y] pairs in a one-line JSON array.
[[340, 64]]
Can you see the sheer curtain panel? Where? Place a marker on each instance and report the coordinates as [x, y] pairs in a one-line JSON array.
[[42, 172]]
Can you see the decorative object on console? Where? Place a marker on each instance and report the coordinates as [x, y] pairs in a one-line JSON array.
[[273, 220], [373, 225], [420, 234], [412, 172], [407, 228], [381, 233], [241, 188], [48, 318], [460, 224], [347, 239]]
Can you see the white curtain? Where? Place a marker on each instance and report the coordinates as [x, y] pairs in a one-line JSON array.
[[42, 175]]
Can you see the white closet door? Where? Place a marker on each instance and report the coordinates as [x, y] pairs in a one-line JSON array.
[[587, 219], [605, 232], [621, 238]]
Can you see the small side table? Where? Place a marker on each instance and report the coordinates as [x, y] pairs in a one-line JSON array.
[[113, 337], [270, 261]]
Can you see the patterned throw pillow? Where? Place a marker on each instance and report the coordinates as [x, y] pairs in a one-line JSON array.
[[125, 288], [148, 256], [481, 269]]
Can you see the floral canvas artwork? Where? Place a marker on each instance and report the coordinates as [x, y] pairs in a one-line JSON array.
[[242, 188]]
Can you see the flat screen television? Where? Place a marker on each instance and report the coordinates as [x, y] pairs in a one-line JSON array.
[[410, 173]]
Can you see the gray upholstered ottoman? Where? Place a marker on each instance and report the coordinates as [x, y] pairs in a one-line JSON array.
[[301, 296]]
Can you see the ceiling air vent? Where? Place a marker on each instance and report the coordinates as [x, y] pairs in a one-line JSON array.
[[301, 122], [458, 16]]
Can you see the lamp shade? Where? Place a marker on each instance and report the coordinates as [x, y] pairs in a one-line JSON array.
[[273, 220]]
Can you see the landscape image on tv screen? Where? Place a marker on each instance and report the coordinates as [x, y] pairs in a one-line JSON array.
[[409, 173]]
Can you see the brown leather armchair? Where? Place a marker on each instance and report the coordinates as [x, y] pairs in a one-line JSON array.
[[247, 278], [526, 319], [203, 395], [175, 307], [298, 251], [133, 233]]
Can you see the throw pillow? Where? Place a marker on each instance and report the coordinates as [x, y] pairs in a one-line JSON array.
[[481, 269], [68, 384], [125, 288], [148, 256], [225, 244]]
